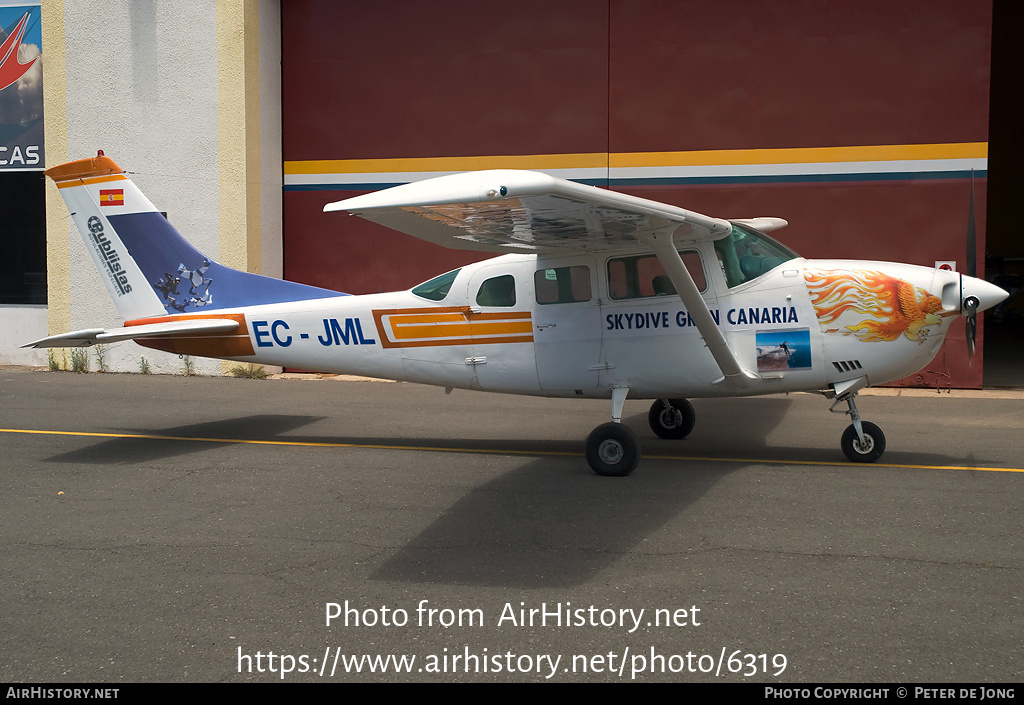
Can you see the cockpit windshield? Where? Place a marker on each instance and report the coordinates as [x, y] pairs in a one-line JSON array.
[[437, 288], [746, 254]]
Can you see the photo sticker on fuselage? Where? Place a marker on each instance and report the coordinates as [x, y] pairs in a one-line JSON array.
[[783, 350]]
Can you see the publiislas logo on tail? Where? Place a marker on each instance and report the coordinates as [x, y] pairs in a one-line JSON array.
[[110, 257]]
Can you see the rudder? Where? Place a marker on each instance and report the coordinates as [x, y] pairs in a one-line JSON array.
[[149, 269]]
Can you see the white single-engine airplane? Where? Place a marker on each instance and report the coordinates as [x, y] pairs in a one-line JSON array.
[[604, 295]]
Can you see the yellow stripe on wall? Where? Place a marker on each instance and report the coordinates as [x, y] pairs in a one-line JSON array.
[[592, 160], [515, 161], [803, 155], [55, 126]]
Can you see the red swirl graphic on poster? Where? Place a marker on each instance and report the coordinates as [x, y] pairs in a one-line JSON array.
[[21, 88]]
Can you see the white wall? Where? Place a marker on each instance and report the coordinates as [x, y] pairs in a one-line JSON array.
[[142, 85], [20, 324]]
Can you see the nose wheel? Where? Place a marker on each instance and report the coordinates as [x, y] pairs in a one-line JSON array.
[[866, 450], [862, 441]]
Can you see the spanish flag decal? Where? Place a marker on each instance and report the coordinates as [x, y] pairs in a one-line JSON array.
[[112, 197]]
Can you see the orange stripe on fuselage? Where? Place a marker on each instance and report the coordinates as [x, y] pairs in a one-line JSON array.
[[428, 327], [419, 331], [236, 344], [413, 319]]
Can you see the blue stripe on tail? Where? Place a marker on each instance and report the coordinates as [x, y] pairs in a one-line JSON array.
[[188, 281]]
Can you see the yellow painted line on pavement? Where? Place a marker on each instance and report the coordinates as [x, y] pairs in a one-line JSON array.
[[882, 464], [311, 444], [497, 451]]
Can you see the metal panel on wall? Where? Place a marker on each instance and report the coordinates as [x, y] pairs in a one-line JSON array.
[[373, 92], [859, 123]]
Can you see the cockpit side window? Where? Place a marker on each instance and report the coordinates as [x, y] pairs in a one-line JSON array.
[[745, 255], [497, 291], [437, 288], [562, 285]]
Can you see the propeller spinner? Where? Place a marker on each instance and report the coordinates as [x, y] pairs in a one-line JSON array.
[[975, 294]]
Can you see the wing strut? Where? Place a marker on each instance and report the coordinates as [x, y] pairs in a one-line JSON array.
[[733, 373]]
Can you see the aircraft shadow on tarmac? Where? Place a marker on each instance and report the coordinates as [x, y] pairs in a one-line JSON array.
[[550, 522], [553, 523], [140, 449]]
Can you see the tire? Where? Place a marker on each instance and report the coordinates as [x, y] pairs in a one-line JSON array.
[[674, 421], [874, 443], [613, 450]]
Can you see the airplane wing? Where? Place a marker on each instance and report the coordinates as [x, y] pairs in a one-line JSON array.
[[94, 336], [507, 210], [527, 211]]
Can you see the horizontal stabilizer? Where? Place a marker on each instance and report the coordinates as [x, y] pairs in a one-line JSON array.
[[95, 336]]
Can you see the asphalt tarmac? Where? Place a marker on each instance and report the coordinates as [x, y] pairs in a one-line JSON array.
[[217, 529]]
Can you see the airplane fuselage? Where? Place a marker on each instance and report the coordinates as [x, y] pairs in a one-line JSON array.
[[581, 337]]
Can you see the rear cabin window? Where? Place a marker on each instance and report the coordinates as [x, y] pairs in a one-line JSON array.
[[497, 291], [562, 285], [643, 276]]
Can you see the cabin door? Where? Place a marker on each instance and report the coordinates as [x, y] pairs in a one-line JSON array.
[[567, 325]]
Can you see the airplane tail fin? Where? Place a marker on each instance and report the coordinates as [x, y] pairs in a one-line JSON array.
[[149, 269]]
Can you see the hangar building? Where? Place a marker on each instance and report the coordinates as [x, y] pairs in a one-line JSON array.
[[860, 123]]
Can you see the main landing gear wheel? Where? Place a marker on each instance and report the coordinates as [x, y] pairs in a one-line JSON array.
[[612, 450], [870, 450], [673, 421]]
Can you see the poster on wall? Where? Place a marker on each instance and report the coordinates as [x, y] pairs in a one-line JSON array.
[[21, 87], [23, 207]]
